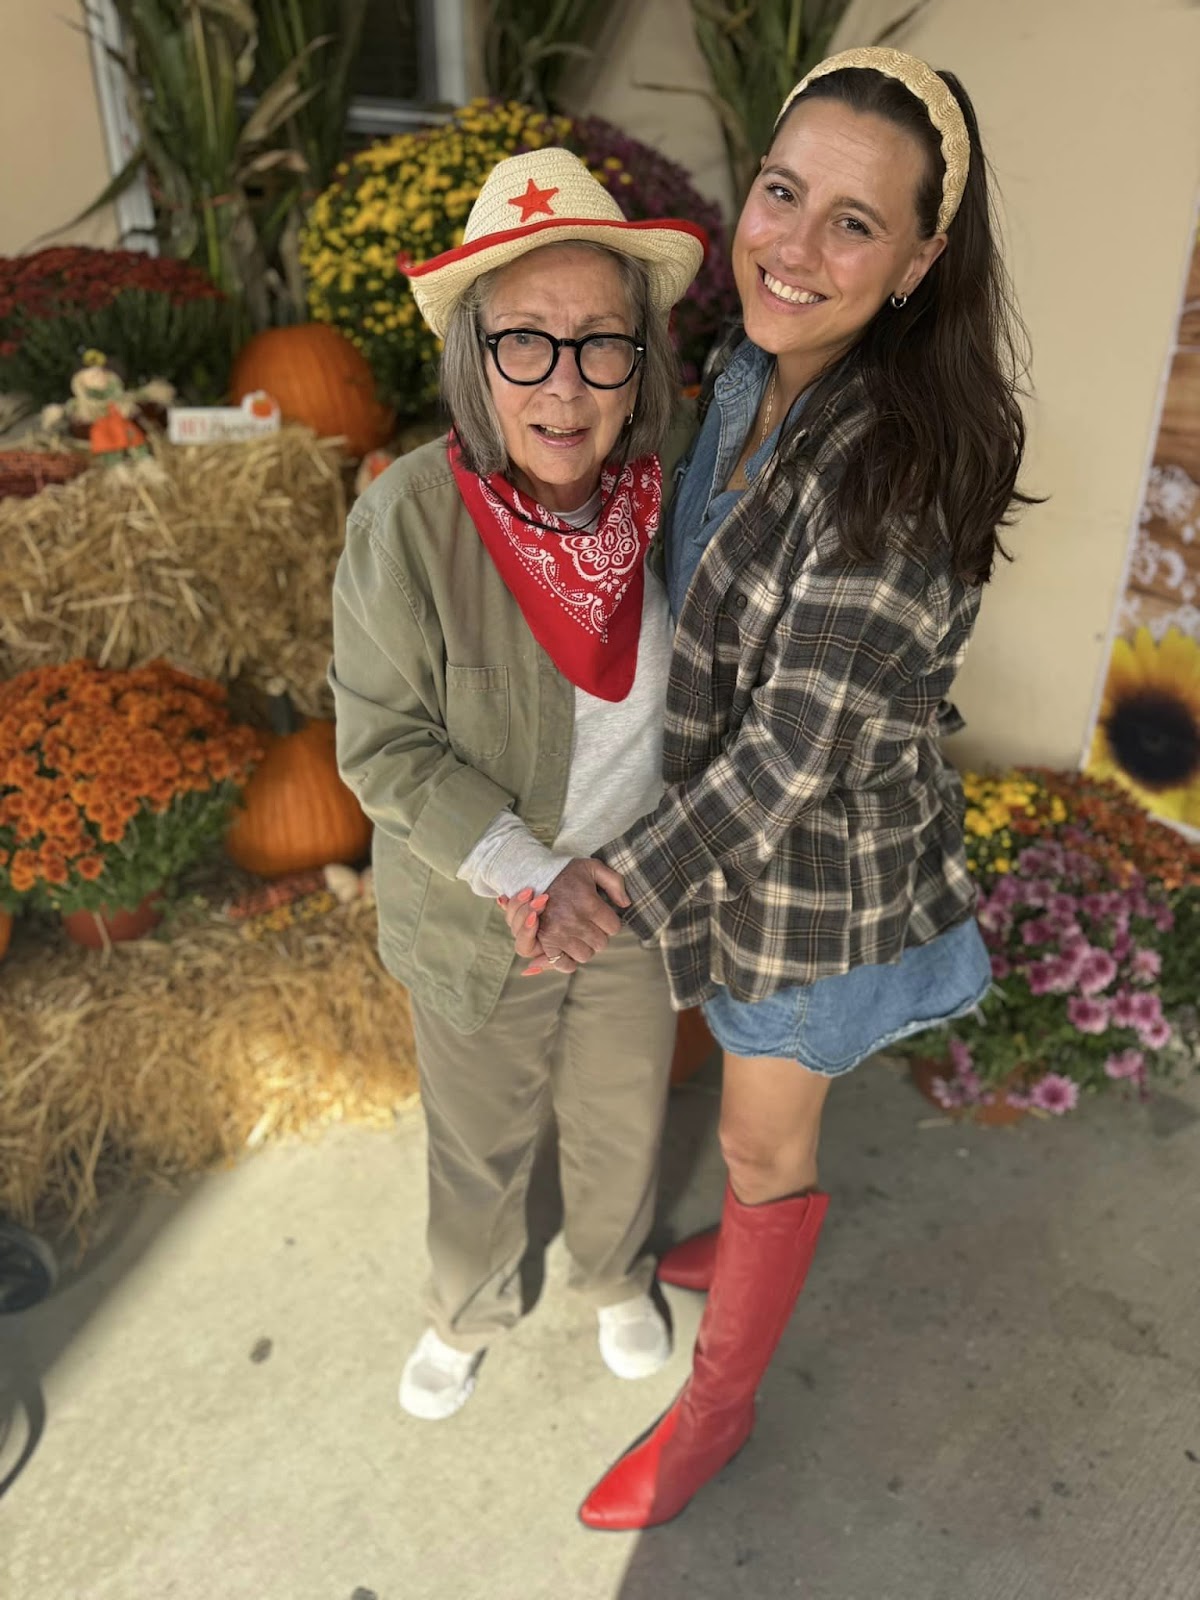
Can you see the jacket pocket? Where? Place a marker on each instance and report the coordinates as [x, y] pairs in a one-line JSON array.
[[477, 714]]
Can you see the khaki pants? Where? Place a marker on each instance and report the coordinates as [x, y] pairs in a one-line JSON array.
[[594, 1049]]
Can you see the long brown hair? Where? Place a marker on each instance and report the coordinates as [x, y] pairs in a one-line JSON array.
[[942, 446]]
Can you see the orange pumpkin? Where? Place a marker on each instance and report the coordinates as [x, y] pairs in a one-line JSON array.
[[296, 811], [319, 378], [694, 1044]]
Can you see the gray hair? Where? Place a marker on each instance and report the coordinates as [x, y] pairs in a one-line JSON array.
[[468, 398]]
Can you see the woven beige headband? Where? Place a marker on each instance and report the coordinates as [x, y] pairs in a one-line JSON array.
[[944, 111]]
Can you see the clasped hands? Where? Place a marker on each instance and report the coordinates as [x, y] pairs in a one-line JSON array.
[[571, 922]]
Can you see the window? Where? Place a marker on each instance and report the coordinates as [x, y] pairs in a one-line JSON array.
[[412, 58]]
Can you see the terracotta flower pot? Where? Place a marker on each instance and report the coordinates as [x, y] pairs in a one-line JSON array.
[[95, 929], [924, 1069], [5, 932], [693, 1045]]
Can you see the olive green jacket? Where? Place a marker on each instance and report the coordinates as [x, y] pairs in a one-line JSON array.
[[448, 711]]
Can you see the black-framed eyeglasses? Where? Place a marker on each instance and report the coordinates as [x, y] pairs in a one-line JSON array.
[[529, 356]]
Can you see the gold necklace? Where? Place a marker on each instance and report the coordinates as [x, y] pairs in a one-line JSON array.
[[766, 427]]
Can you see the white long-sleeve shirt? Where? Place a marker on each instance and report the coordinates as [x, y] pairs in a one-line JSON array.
[[615, 774]]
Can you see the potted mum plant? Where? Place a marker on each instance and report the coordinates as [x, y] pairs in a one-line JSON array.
[[1089, 910], [112, 784]]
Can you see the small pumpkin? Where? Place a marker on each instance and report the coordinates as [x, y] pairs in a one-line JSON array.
[[296, 812], [319, 378]]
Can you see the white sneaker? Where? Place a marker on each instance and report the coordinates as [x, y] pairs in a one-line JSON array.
[[634, 1339], [437, 1380]]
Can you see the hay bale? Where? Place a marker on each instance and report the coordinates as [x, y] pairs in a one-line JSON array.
[[165, 1056], [219, 558]]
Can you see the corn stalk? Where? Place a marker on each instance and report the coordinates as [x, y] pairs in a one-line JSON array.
[[224, 184], [756, 51], [529, 45], [287, 30]]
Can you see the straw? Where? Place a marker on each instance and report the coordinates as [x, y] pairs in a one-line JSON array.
[[218, 557], [165, 1056]]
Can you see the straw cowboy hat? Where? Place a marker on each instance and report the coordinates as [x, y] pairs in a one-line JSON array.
[[550, 197]]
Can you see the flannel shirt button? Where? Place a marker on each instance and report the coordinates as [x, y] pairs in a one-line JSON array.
[[741, 601]]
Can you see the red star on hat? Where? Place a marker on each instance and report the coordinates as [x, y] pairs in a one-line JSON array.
[[533, 201]]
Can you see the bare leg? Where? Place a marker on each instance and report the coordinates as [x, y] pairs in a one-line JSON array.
[[770, 1127]]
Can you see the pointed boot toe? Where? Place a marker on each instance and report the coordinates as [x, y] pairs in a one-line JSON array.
[[624, 1497], [691, 1264]]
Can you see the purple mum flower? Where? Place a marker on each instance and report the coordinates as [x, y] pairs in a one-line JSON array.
[[1146, 965], [1145, 1010], [1124, 1014], [1055, 1093], [1125, 1064], [1001, 967], [960, 1056], [1096, 971], [1089, 1016], [948, 1095], [1042, 977], [1154, 1035]]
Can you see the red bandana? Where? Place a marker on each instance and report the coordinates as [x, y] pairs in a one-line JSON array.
[[579, 590]]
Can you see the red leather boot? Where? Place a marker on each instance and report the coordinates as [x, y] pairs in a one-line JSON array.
[[763, 1257], [690, 1264]]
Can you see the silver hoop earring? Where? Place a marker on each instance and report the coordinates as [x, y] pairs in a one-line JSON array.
[[899, 301], [629, 420]]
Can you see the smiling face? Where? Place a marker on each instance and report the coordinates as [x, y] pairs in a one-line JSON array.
[[560, 432], [828, 232]]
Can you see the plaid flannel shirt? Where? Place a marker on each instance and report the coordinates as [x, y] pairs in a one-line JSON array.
[[811, 823]]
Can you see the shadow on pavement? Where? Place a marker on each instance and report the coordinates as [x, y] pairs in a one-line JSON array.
[[31, 1341]]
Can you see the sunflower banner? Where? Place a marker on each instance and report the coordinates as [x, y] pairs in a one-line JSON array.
[[1147, 732]]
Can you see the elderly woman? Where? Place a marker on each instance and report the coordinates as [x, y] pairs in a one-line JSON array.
[[500, 668], [826, 549]]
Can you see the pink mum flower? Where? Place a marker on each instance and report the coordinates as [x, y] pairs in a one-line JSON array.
[[1154, 1035], [1042, 977], [1146, 965], [1055, 1093], [1123, 1012], [960, 1055], [948, 1095], [1145, 1010], [1089, 1016], [1001, 967], [1096, 971], [1125, 1064]]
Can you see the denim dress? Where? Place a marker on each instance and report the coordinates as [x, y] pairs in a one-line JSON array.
[[831, 1025]]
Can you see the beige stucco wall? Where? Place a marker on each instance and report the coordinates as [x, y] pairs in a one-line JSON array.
[[53, 163], [650, 43]]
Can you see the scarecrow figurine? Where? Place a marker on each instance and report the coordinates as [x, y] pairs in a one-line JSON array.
[[96, 388], [115, 439]]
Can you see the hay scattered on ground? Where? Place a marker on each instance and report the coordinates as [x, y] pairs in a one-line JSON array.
[[220, 558], [165, 1056]]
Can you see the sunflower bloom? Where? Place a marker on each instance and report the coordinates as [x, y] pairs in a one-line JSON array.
[[1148, 732]]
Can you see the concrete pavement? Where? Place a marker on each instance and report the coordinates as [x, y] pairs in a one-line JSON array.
[[991, 1390]]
